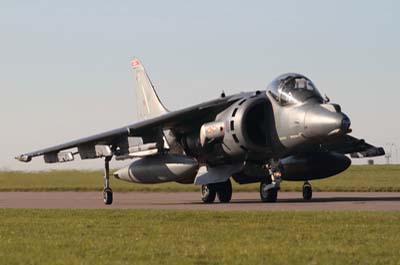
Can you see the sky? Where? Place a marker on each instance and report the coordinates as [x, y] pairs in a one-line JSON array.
[[65, 65]]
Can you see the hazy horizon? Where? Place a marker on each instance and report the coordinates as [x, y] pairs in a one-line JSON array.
[[66, 66]]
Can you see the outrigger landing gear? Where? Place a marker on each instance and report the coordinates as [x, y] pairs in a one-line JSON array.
[[107, 191], [307, 191]]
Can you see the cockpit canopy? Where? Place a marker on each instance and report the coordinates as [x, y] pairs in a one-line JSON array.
[[289, 89]]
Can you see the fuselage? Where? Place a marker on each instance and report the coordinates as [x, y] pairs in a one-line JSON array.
[[290, 120], [257, 128]]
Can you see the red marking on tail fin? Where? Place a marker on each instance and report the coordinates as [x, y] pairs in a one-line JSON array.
[[135, 63]]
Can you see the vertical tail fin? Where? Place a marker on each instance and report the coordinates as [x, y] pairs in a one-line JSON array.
[[148, 103]]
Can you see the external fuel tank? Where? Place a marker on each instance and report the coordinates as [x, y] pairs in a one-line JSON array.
[[159, 168]]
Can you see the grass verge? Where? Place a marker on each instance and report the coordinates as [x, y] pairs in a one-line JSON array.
[[356, 178], [189, 237]]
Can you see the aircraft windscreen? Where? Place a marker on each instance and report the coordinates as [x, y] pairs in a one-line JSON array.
[[293, 89]]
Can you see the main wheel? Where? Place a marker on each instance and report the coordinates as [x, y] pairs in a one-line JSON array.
[[307, 191], [107, 196], [268, 195], [224, 191], [208, 193]]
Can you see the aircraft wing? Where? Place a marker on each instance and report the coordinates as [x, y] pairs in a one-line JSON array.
[[110, 142], [357, 148]]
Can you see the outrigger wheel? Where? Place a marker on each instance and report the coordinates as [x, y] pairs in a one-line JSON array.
[[107, 196], [307, 191]]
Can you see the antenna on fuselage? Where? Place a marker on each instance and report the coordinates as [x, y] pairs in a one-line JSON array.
[[326, 99]]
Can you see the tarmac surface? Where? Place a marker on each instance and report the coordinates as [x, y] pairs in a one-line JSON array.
[[242, 201]]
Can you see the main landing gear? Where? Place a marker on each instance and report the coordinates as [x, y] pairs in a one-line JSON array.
[[307, 191], [222, 190], [107, 191]]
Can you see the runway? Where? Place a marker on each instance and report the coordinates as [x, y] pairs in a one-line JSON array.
[[241, 201]]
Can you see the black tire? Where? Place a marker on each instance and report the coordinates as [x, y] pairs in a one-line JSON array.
[[307, 192], [208, 193], [107, 196], [224, 191], [270, 195]]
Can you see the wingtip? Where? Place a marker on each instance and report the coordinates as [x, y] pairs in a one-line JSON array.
[[23, 158]]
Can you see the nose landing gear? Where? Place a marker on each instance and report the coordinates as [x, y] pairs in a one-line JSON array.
[[307, 191], [268, 193], [270, 186]]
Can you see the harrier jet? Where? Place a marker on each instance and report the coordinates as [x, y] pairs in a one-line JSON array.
[[288, 132]]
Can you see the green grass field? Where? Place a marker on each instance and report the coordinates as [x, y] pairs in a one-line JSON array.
[[356, 178], [203, 237]]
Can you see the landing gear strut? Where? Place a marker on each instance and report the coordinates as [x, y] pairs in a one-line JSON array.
[[307, 191], [222, 190], [270, 186], [107, 191]]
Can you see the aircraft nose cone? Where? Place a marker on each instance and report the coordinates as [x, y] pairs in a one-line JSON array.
[[321, 121]]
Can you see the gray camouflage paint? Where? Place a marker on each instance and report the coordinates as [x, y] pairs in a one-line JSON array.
[[298, 129]]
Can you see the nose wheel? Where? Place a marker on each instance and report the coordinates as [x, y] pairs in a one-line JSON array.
[[107, 191], [270, 185], [307, 191], [268, 193]]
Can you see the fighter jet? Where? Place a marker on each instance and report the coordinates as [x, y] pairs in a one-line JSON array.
[[287, 132]]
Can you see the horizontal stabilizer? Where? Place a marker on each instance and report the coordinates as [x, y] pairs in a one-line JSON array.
[[357, 148], [371, 152]]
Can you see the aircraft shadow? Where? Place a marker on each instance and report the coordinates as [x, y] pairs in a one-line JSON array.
[[315, 200], [330, 199]]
